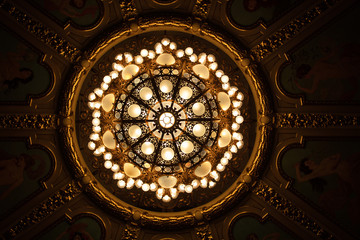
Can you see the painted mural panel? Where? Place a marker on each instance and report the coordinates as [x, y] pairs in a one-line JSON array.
[[83, 228], [248, 12], [249, 228], [82, 12], [21, 170], [327, 174], [20, 72], [326, 68]]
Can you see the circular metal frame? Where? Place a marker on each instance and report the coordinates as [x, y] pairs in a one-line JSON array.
[[166, 219]]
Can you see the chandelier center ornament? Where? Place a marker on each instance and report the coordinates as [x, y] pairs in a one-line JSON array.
[[167, 120]]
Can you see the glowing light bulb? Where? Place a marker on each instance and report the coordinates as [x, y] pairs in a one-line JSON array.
[[213, 66], [107, 79], [108, 156], [202, 58], [235, 112], [115, 168], [239, 119], [220, 167], [224, 161], [193, 58], [95, 121], [94, 137], [235, 126], [226, 86], [96, 114], [212, 184], [233, 149], [144, 52], [145, 187], [104, 86], [219, 73], [237, 104], [237, 136], [151, 54], [139, 183], [121, 183], [181, 187], [96, 129], [153, 187], [158, 48], [118, 176], [92, 96], [114, 74], [166, 198], [188, 188], [174, 193], [224, 78], [240, 96], [165, 41], [211, 58], [173, 46], [108, 164], [130, 183], [189, 51], [195, 183], [180, 53], [203, 182], [98, 92], [215, 175], [117, 67], [159, 193], [97, 105], [91, 105], [139, 59], [240, 144], [228, 155], [119, 57], [128, 57], [91, 145]]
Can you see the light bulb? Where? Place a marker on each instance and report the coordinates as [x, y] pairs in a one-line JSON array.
[[165, 41], [130, 183], [98, 92], [224, 78], [224, 161], [96, 114], [104, 86], [94, 137], [220, 167], [128, 57], [232, 91], [239, 119], [237, 104], [188, 188], [95, 121], [108, 156], [174, 193], [115, 168], [213, 66], [219, 73], [119, 57], [202, 58], [211, 58], [181, 187], [144, 52], [228, 155], [166, 198], [92, 96], [145, 187], [107, 79], [189, 51], [153, 187], [91, 145], [108, 164], [114, 74], [96, 129], [117, 67], [235, 112], [172, 46], [159, 193], [226, 86], [240, 144], [139, 59], [203, 182], [91, 105], [151, 54], [240, 96], [158, 48], [97, 105], [121, 183], [215, 175], [193, 58], [180, 53], [233, 149], [118, 176], [212, 184], [195, 183], [237, 136], [139, 183], [235, 126]]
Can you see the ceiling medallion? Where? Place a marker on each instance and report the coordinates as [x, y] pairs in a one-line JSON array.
[[166, 120], [165, 129]]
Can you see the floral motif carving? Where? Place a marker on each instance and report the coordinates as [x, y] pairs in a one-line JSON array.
[[312, 120], [289, 31], [38, 121], [44, 209], [131, 232], [201, 8], [204, 233], [128, 9], [43, 33], [280, 203]]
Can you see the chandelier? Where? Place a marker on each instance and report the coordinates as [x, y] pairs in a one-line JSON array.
[[159, 130]]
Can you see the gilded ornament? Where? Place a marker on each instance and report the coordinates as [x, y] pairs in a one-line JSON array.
[[313, 120], [41, 32], [288, 32], [201, 8], [280, 203], [28, 121], [45, 209]]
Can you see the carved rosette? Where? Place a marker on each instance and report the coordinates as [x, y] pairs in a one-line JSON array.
[[191, 216]]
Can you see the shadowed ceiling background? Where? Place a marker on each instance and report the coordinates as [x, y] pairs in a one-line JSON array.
[[309, 55]]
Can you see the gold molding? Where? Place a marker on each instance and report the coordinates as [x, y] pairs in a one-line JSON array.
[[313, 120], [287, 208], [288, 32], [44, 209], [131, 213], [41, 32], [28, 121]]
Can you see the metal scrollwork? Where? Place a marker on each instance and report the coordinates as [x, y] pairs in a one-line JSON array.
[[45, 209], [28, 121], [312, 120], [280, 203], [201, 8], [289, 31]]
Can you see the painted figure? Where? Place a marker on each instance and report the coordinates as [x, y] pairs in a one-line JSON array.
[[11, 72], [12, 169]]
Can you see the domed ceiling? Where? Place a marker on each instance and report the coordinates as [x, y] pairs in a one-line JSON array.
[[179, 119]]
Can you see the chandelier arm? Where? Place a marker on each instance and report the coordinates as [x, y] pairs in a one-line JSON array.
[[199, 119], [175, 92], [176, 147], [135, 121], [158, 147], [157, 92]]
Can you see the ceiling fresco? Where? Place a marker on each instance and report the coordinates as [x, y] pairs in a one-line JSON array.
[[179, 119]]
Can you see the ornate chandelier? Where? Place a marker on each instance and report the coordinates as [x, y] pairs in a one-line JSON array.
[[160, 129]]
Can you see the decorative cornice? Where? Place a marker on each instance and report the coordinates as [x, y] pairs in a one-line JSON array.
[[312, 120], [41, 32], [128, 9], [28, 121], [45, 209], [287, 208], [201, 8], [288, 32]]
